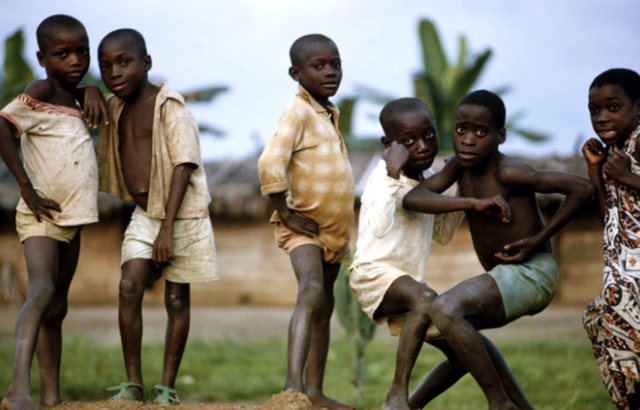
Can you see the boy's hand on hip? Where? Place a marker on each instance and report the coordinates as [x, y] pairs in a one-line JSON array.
[[517, 251], [162, 254], [39, 205], [300, 225], [594, 152], [496, 207]]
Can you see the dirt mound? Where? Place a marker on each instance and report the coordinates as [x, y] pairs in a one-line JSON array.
[[282, 401]]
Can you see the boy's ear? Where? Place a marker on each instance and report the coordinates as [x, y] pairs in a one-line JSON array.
[[40, 57], [385, 141], [294, 73], [147, 62], [502, 136], [637, 104]]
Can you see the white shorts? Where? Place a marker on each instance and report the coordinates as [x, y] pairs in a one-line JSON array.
[[194, 253]]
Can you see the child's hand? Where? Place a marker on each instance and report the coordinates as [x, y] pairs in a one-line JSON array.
[[301, 225], [162, 253], [496, 207], [39, 205], [517, 252], [594, 152], [396, 157], [618, 165], [95, 107]]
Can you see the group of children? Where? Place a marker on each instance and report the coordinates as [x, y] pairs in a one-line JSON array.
[[148, 152]]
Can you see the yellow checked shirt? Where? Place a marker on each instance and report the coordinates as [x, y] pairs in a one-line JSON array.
[[307, 158]]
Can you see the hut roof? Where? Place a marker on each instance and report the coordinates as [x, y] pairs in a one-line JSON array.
[[235, 187]]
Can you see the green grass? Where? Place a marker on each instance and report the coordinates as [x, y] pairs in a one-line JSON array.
[[555, 375]]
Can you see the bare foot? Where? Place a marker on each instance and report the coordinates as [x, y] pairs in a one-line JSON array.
[[50, 400], [19, 403], [323, 401], [396, 403]]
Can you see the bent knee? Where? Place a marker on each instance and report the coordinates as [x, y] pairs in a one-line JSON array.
[[443, 311]]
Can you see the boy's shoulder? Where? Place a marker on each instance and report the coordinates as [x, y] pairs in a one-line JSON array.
[[303, 105], [40, 90]]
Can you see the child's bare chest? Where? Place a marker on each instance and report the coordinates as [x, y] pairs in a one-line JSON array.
[[481, 186], [135, 129]]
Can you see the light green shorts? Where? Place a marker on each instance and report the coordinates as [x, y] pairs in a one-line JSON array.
[[527, 288]]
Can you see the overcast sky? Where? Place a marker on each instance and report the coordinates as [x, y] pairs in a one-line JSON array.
[[547, 51]]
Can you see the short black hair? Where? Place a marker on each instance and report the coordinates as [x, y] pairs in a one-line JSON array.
[[490, 101], [127, 35], [627, 79], [299, 46], [392, 110], [53, 25]]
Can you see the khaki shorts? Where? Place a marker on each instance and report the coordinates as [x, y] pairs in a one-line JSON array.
[[28, 226], [194, 253], [289, 240]]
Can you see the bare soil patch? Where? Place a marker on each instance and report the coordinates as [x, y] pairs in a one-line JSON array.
[[282, 401]]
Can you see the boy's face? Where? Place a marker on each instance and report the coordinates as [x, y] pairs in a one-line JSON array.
[[613, 115], [475, 137], [416, 132], [66, 58], [123, 67], [319, 70]]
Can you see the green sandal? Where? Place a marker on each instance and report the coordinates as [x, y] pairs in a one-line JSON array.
[[169, 396], [123, 393]]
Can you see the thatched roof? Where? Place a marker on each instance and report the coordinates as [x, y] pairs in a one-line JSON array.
[[235, 186]]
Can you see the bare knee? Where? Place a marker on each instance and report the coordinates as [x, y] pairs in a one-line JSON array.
[[176, 303], [131, 291], [443, 312], [310, 295], [422, 305], [41, 294], [57, 312]]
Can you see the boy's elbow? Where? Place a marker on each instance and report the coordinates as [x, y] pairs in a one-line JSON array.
[[408, 202]]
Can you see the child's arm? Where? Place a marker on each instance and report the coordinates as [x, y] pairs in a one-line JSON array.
[[596, 154], [163, 245], [384, 191], [94, 105], [427, 199], [292, 221], [576, 190], [272, 168], [9, 152]]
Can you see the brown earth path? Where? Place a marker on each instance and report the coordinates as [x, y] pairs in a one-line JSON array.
[[245, 322]]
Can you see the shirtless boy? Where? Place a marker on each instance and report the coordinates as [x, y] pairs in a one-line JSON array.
[[306, 173], [150, 154], [509, 236], [59, 191], [389, 267]]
